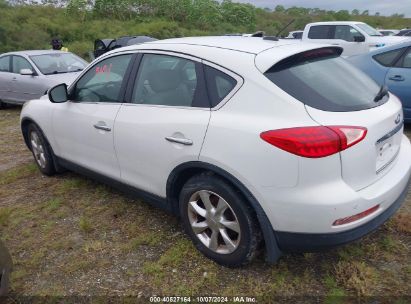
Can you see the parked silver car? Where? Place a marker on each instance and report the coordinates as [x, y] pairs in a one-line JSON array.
[[28, 75]]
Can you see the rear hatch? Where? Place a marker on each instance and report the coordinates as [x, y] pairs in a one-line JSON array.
[[335, 93]]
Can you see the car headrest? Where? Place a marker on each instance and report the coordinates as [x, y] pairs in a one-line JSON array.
[[164, 80]]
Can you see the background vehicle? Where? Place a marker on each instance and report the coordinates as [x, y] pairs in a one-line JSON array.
[[295, 35], [390, 66], [272, 148], [388, 32], [29, 74], [102, 46], [5, 269], [354, 37], [406, 32]]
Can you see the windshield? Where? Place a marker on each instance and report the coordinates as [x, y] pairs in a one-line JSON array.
[[58, 63], [326, 82], [369, 30]]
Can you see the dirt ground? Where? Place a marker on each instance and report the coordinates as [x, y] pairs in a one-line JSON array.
[[70, 236]]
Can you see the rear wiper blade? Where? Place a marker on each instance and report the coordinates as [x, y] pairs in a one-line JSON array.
[[381, 93]]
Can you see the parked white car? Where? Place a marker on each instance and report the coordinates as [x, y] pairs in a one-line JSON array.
[[247, 139], [26, 75], [354, 37]]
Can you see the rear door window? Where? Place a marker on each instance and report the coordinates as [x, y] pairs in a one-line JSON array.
[[405, 61], [323, 80], [388, 58], [5, 64], [219, 85], [321, 32]]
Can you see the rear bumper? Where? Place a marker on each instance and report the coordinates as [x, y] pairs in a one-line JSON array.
[[306, 242]]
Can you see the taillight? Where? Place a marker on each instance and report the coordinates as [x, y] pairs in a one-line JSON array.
[[315, 142], [356, 217]]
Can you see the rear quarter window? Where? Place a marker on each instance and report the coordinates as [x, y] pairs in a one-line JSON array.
[[323, 80], [219, 85], [388, 58]]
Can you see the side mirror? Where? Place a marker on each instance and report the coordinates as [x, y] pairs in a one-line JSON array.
[[359, 38], [58, 94], [26, 72]]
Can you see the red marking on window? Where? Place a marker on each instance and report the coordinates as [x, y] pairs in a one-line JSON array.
[[104, 69]]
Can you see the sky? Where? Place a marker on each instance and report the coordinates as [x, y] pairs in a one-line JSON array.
[[384, 7]]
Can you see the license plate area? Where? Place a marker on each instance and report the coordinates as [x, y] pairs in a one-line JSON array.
[[387, 148]]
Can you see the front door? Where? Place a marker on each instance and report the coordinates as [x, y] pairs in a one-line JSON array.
[[85, 124]]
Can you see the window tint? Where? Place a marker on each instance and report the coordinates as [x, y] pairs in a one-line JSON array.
[[325, 82], [102, 83], [387, 58], [321, 32], [346, 32], [405, 61], [20, 63], [166, 80], [5, 64], [219, 85]]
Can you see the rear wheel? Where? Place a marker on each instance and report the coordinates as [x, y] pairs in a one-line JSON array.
[[219, 221], [41, 150], [2, 105]]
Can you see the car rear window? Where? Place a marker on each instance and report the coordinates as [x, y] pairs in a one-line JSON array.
[[323, 80]]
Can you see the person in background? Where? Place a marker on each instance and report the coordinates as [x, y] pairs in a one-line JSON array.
[[57, 44]]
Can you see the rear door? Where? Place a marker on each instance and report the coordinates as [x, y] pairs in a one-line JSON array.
[[165, 121], [336, 93], [5, 77], [398, 80]]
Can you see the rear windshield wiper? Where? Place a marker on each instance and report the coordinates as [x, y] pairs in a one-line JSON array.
[[381, 93]]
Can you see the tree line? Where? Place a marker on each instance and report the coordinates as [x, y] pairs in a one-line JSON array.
[[30, 24]]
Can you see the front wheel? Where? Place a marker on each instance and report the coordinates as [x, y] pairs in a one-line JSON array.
[[41, 150], [219, 221]]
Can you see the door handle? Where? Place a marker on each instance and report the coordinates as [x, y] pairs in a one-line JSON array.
[[102, 126], [397, 78], [14, 79], [183, 141]]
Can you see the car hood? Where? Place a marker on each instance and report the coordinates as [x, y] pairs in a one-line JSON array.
[[66, 78]]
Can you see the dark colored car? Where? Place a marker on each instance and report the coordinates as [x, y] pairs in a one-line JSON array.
[[102, 46], [406, 32]]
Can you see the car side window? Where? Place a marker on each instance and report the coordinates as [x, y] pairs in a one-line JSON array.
[[20, 63], [388, 58], [5, 64], [346, 32], [219, 85], [321, 32], [166, 80], [102, 82], [405, 61]]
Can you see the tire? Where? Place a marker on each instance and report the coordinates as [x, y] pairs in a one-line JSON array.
[[41, 150], [2, 105], [226, 231]]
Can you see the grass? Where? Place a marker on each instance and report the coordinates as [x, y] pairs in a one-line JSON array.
[[70, 235]]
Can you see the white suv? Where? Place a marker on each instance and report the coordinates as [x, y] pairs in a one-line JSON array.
[[249, 140]]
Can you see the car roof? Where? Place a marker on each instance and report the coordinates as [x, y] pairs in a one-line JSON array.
[[33, 52], [252, 45], [407, 43], [228, 51], [336, 22]]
